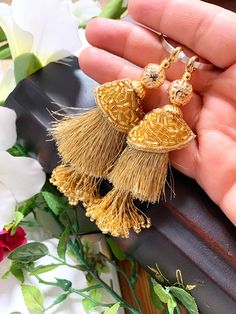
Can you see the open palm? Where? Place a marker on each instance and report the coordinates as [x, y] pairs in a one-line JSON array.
[[121, 49]]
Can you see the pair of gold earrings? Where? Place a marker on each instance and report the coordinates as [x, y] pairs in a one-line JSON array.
[[116, 141]]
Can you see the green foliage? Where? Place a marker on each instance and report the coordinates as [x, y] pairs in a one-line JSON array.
[[113, 10], [89, 305], [33, 299], [62, 245], [5, 52], [25, 65], [29, 252], [168, 294], [56, 203], [64, 284], [185, 298], [26, 208], [113, 310], [60, 299], [17, 151], [18, 218], [154, 297], [94, 297], [2, 35], [165, 297], [117, 252], [43, 269], [16, 270]]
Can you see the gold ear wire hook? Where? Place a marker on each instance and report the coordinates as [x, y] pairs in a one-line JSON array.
[[191, 63], [173, 57], [189, 69]]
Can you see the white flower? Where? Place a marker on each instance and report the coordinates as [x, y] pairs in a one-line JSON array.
[[7, 80], [86, 9], [20, 177], [46, 28]]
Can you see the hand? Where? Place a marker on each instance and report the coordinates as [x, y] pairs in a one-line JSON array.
[[121, 50]]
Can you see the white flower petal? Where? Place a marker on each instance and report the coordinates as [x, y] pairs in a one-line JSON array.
[[23, 176], [52, 24], [19, 40], [84, 42], [7, 128], [7, 84], [7, 206], [86, 9]]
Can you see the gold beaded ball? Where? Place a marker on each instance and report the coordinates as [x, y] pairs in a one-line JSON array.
[[153, 76], [180, 92]]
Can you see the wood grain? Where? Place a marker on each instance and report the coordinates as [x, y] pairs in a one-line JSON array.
[[142, 289]]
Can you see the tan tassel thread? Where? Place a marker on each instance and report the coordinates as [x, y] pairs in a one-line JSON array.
[[141, 170], [92, 142], [89, 142], [117, 214], [74, 185], [142, 173]]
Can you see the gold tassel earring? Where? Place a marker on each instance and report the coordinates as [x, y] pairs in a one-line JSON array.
[[141, 170], [89, 144]]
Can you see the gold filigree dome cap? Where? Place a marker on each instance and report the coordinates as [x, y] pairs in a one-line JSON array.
[[161, 131]]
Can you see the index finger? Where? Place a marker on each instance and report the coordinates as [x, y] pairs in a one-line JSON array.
[[208, 30]]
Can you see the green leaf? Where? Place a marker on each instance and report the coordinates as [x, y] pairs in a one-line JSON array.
[[61, 298], [62, 245], [5, 52], [96, 295], [117, 252], [17, 151], [102, 268], [154, 297], [3, 37], [171, 305], [18, 218], [163, 295], [25, 65], [113, 310], [29, 252], [54, 202], [64, 284], [113, 10], [15, 312], [6, 275], [88, 305], [16, 270], [33, 298], [43, 269], [185, 298]]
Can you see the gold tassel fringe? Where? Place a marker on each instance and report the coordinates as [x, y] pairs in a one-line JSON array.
[[142, 173], [117, 214], [89, 142], [75, 186]]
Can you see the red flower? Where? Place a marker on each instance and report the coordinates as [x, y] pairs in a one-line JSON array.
[[8, 243]]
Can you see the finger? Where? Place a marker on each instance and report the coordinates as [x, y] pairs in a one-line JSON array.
[[205, 28], [103, 67], [125, 40], [184, 160]]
